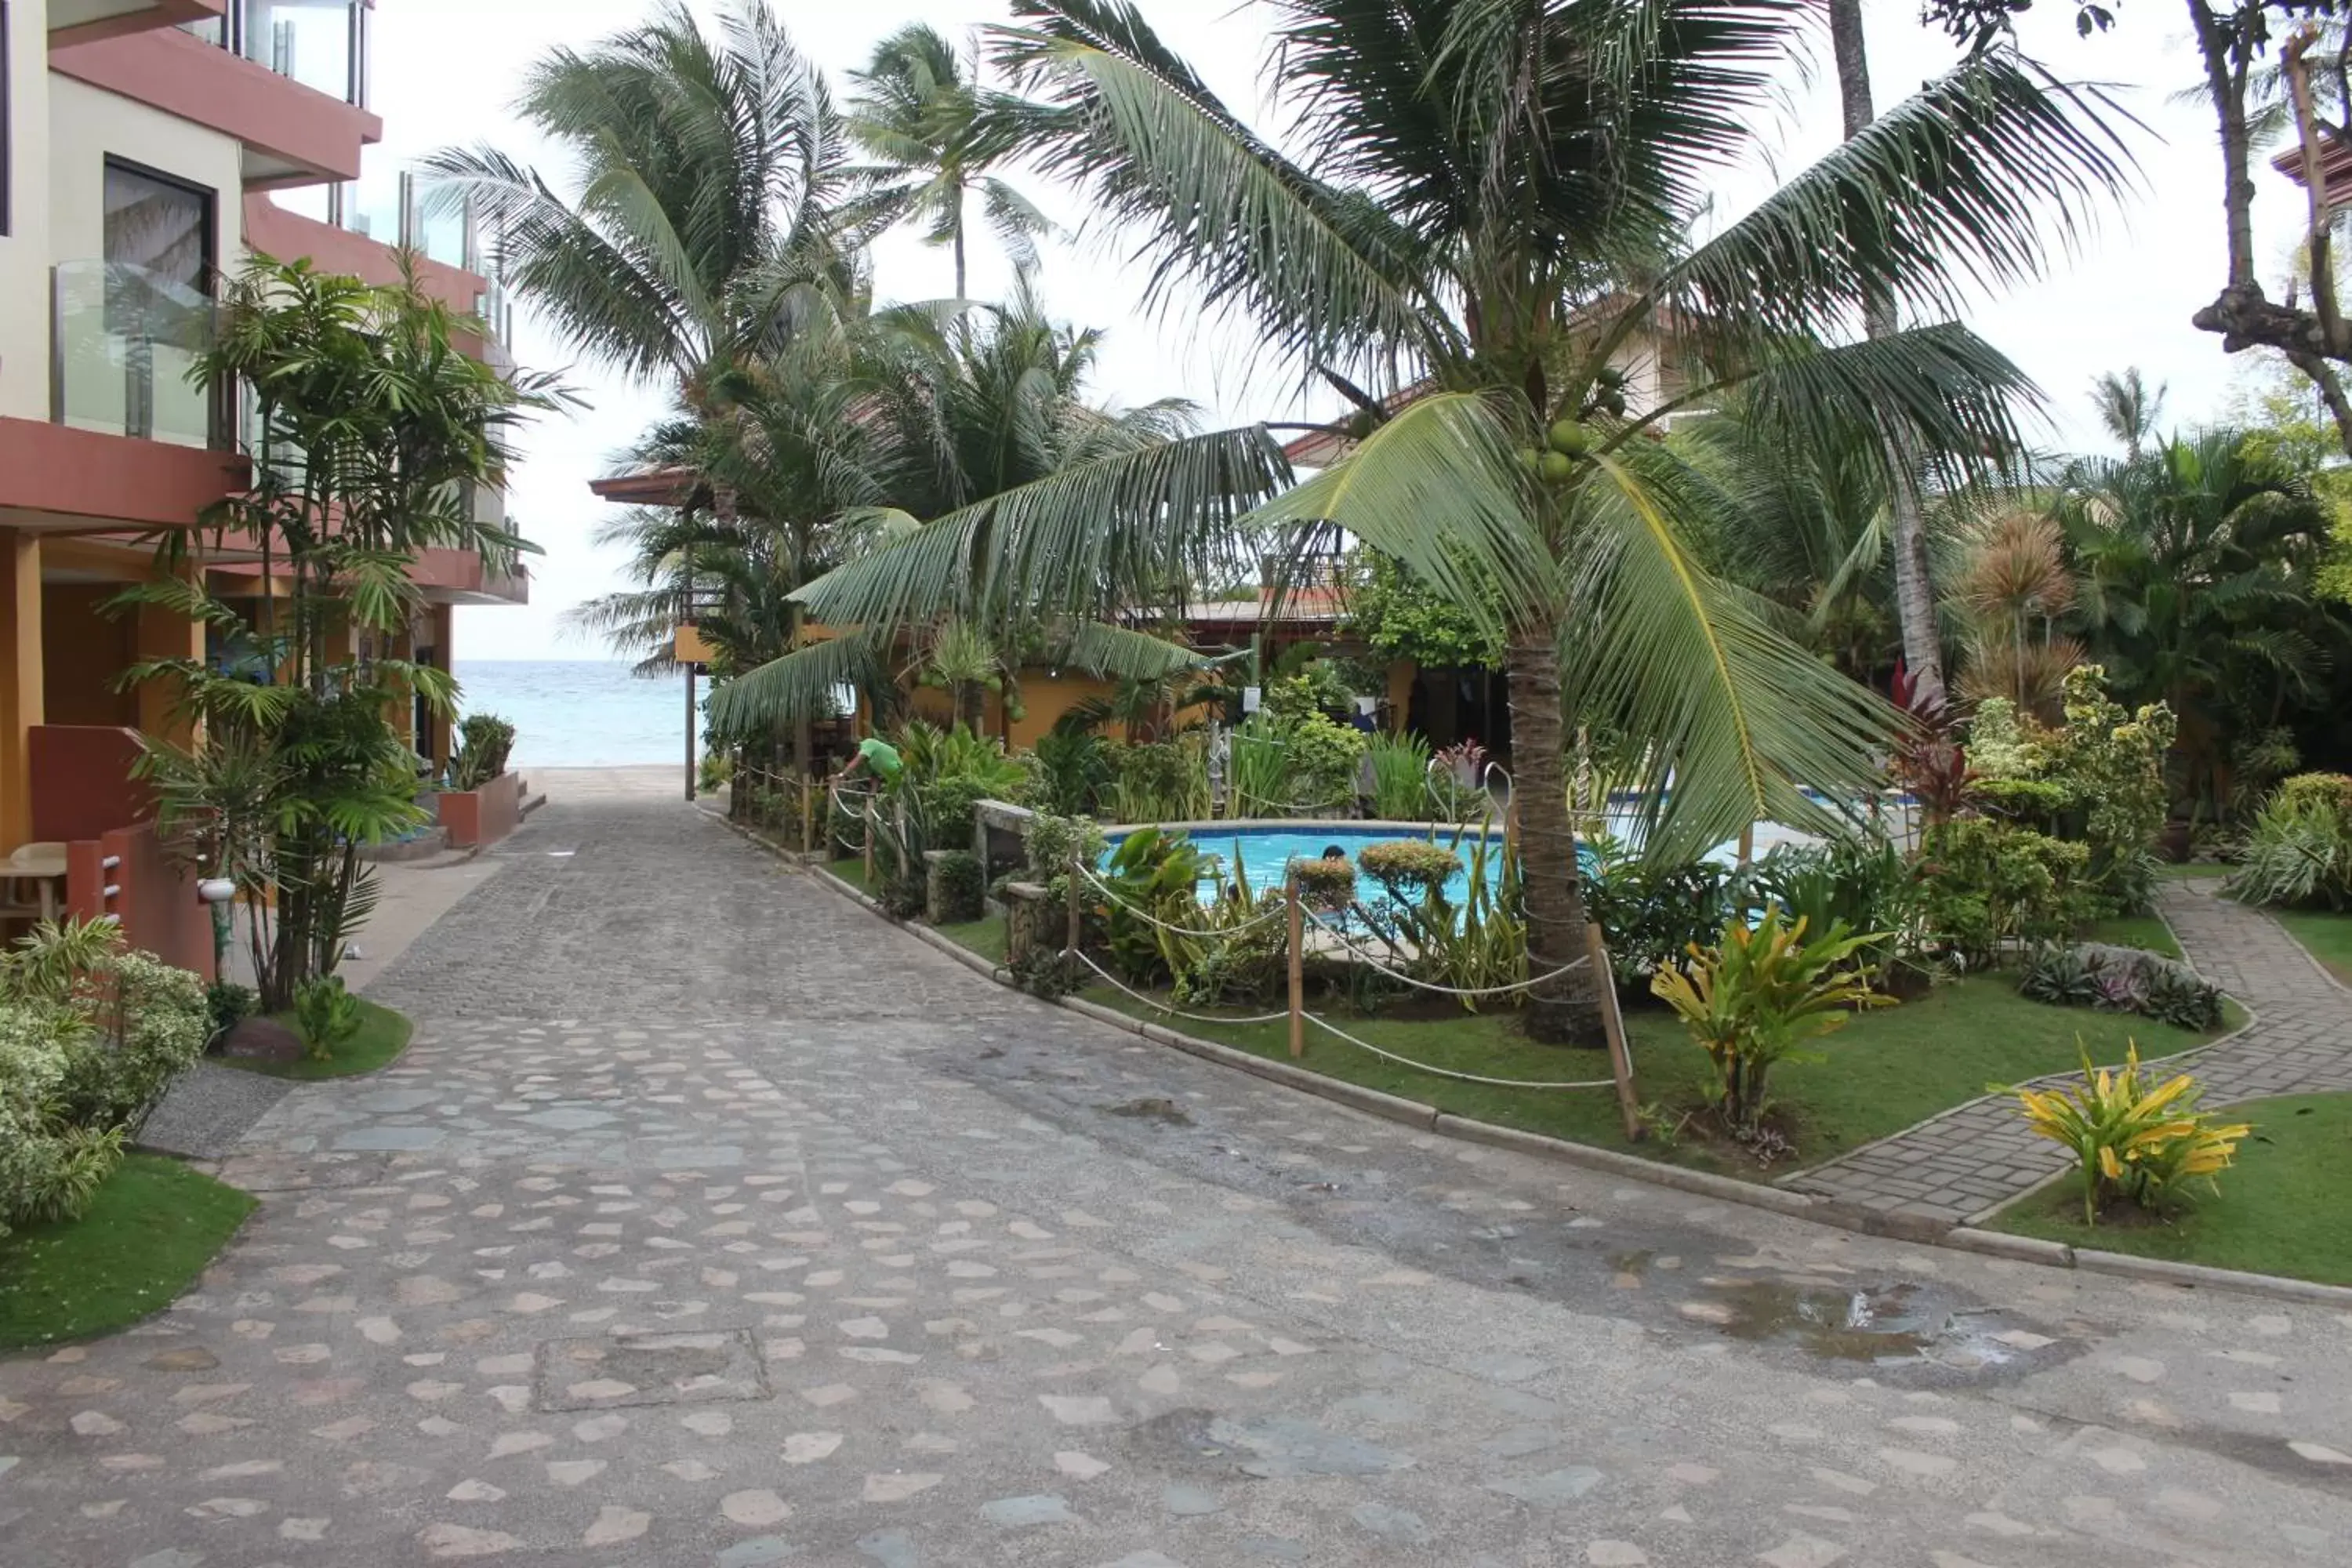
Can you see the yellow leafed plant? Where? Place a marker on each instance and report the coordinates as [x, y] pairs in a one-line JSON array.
[[2132, 1141]]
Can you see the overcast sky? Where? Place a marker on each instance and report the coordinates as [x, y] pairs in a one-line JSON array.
[[2122, 296]]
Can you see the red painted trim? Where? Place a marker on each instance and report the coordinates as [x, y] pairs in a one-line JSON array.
[[186, 77], [159, 14], [484, 815], [71, 475], [272, 230]]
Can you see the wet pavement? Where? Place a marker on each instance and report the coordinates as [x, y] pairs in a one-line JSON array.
[[709, 1221]]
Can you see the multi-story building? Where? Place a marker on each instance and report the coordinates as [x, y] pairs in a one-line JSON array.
[[146, 147]]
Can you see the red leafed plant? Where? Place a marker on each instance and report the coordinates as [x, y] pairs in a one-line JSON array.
[[1929, 760]]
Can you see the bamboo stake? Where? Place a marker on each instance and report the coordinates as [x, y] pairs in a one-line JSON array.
[[1077, 935], [1297, 966], [1621, 1060]]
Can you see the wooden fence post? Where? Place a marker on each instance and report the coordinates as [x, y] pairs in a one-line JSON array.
[[808, 813], [1620, 1059], [1078, 928], [1297, 966]]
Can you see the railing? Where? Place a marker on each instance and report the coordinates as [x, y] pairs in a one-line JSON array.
[[395, 210], [125, 346], [322, 44]]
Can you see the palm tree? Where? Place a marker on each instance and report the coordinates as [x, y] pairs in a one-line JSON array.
[[2193, 587], [956, 409], [938, 133], [1486, 237], [713, 207], [1915, 591], [2128, 408]]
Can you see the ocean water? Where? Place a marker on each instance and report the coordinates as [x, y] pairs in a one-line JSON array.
[[580, 713]]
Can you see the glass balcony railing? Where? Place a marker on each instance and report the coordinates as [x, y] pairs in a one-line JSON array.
[[322, 44], [127, 344]]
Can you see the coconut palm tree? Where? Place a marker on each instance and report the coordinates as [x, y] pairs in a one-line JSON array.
[[1485, 240], [2128, 408], [937, 132], [712, 207]]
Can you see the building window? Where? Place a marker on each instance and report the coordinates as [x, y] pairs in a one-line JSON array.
[[159, 224], [156, 305]]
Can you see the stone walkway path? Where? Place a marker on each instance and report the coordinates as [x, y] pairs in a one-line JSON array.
[[1979, 1156], [710, 1222]]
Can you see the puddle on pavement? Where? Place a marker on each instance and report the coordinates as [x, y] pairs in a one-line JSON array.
[[1166, 1113], [1904, 1321]]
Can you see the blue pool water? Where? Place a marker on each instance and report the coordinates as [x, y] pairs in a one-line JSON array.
[[1264, 854]]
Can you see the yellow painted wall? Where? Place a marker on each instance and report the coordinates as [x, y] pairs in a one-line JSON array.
[[83, 651], [24, 248]]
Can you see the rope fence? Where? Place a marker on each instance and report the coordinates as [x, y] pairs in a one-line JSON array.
[[1596, 960]]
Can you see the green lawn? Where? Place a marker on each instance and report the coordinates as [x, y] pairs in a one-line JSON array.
[[2284, 1208], [984, 936], [150, 1231], [1883, 1071], [2148, 931], [383, 1035], [2325, 935]]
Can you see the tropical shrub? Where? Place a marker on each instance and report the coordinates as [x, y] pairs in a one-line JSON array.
[[1409, 869], [1152, 876], [1986, 886], [1752, 999], [2113, 763], [1316, 691], [1069, 772], [90, 1036], [1459, 783], [2122, 980], [2132, 1143], [1244, 957], [1401, 783], [2299, 849], [1325, 882], [1651, 914], [1164, 781], [2037, 804], [1862, 882], [484, 741], [2005, 745], [227, 1004], [327, 1014], [962, 887], [1052, 843]]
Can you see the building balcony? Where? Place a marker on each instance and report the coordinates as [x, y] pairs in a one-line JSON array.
[[355, 227], [87, 21], [131, 440], [288, 79]]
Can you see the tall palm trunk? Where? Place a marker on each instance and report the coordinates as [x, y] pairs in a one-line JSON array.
[[1567, 1010], [1915, 591]]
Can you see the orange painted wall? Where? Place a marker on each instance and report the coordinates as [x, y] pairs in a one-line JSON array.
[[82, 652]]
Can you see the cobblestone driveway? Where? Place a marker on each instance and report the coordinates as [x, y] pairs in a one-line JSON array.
[[711, 1222]]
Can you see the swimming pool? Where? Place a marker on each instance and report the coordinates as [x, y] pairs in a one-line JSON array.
[[1264, 851]]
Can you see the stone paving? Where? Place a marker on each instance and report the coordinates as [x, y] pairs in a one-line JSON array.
[[711, 1222], [1979, 1156]]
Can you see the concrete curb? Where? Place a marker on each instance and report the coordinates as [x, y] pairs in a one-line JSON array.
[[1773, 1198]]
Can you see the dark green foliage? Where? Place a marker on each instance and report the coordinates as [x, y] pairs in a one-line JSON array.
[[1071, 772], [1398, 616], [227, 1004], [2122, 980], [2299, 851], [962, 885], [1325, 883], [1987, 886], [1409, 869], [2037, 803], [327, 1014], [1047, 972], [485, 741], [1652, 913], [1157, 874]]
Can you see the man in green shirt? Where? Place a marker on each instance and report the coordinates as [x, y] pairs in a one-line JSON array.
[[878, 757]]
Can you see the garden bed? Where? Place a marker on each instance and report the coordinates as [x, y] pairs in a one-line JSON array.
[[152, 1229], [1883, 1072], [2285, 1208], [382, 1036]]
